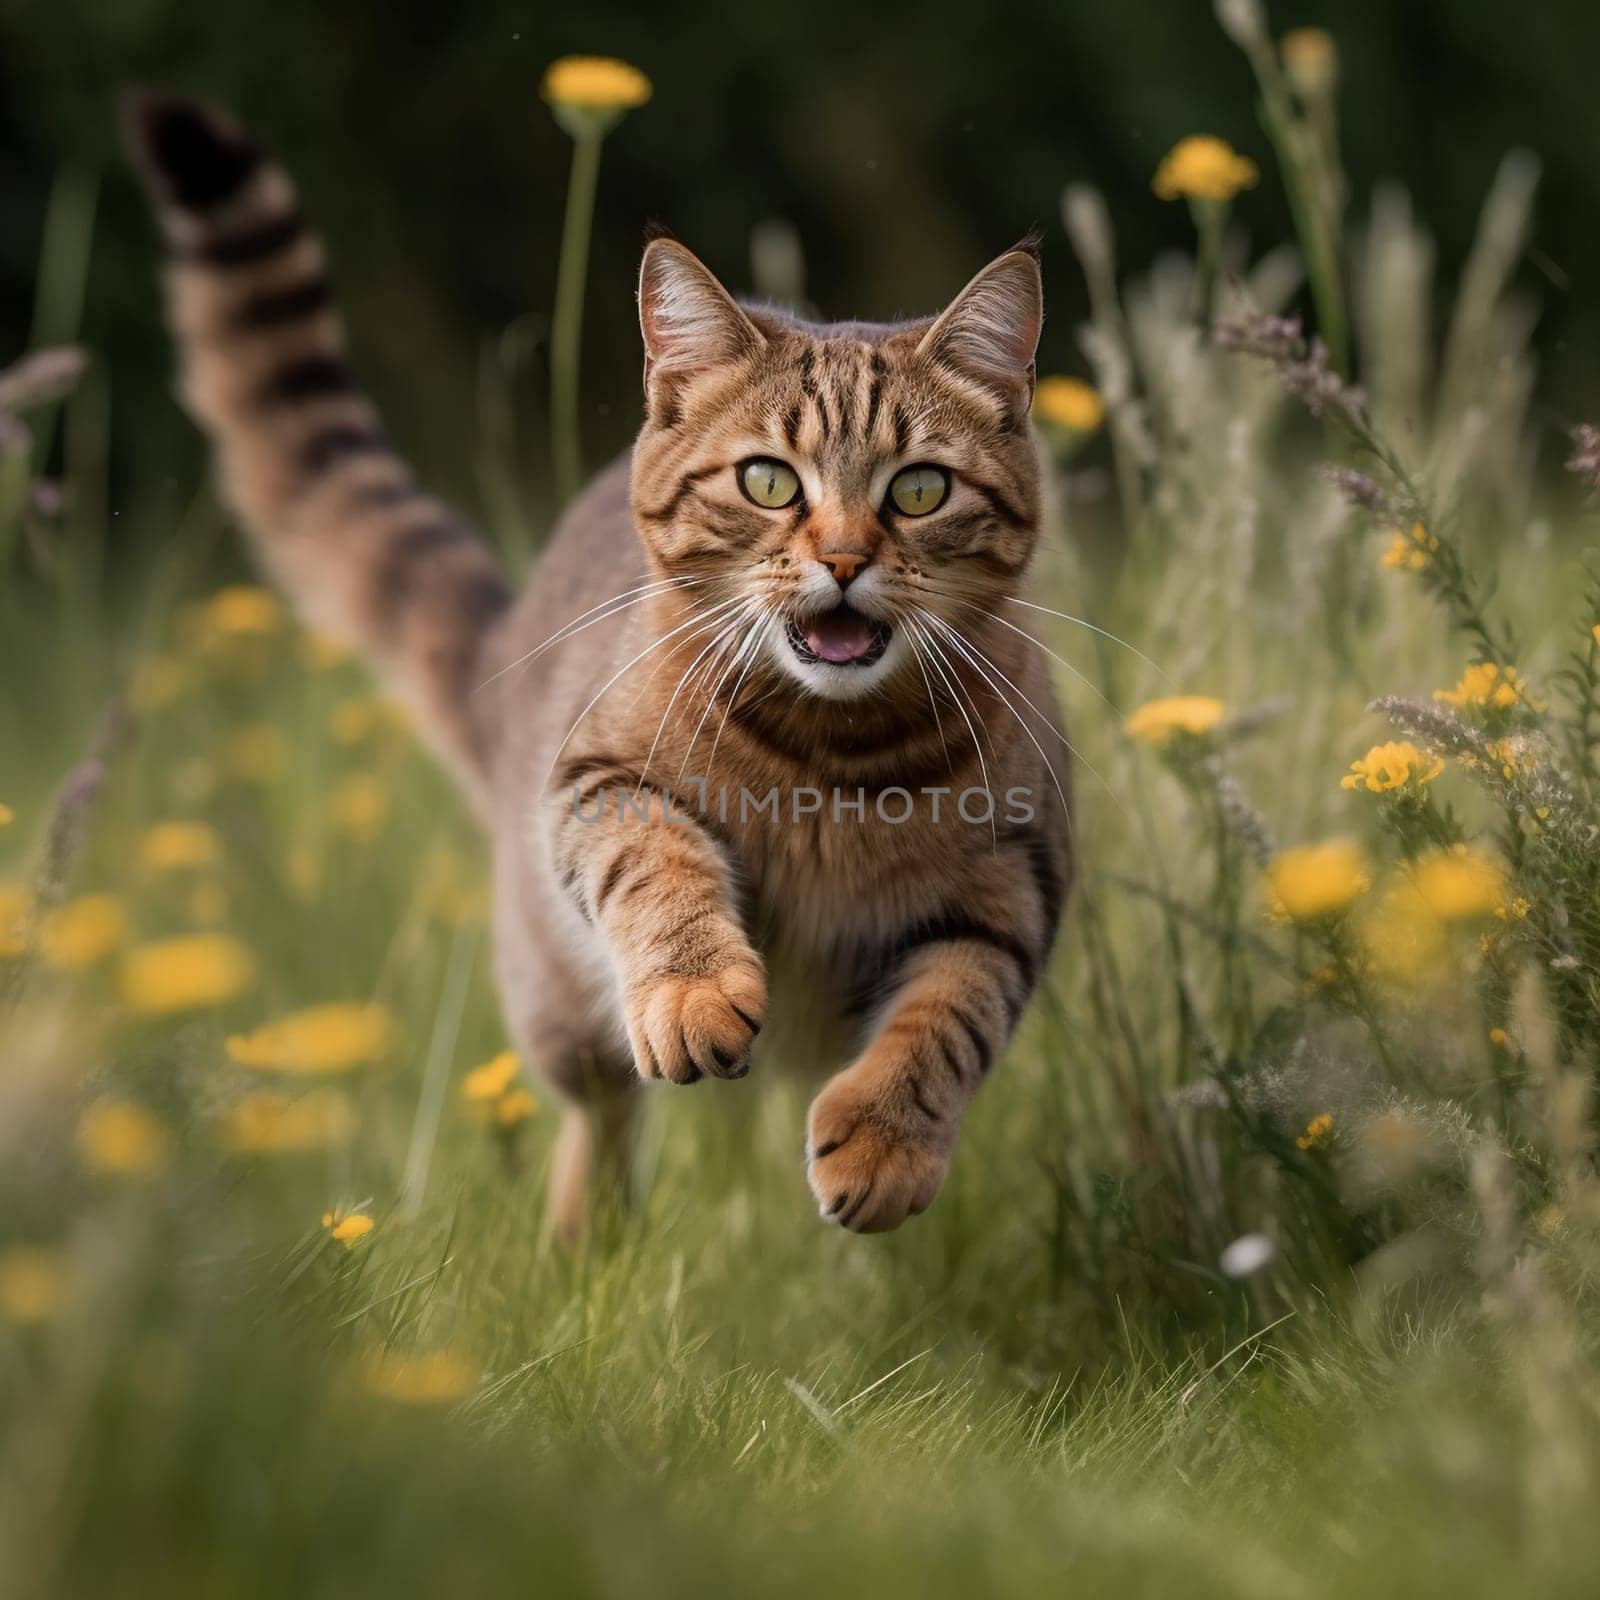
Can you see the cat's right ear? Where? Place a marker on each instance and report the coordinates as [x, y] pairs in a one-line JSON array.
[[689, 321]]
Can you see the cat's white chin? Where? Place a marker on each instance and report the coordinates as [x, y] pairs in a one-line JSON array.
[[829, 681]]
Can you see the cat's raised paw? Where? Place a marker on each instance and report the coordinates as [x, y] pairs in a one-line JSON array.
[[868, 1166], [685, 1028]]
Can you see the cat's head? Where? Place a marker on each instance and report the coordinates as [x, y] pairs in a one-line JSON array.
[[846, 492]]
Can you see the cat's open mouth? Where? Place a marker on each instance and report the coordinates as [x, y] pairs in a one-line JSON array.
[[840, 638]]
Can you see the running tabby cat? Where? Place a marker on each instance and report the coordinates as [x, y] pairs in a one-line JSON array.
[[793, 590]]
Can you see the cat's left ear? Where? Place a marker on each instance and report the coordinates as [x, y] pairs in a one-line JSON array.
[[990, 331]]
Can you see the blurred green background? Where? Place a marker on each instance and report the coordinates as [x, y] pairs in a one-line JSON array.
[[905, 143]]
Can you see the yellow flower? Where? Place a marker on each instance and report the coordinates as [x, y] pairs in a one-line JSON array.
[[7, 816], [1401, 936], [347, 1229], [179, 847], [359, 806], [1156, 721], [1311, 59], [321, 1039], [256, 753], [185, 974], [433, 1378], [1392, 766], [83, 932], [16, 908], [1069, 403], [157, 681], [1317, 1131], [122, 1139], [1410, 551], [1499, 1038], [1513, 910], [515, 1107], [266, 1124], [1202, 167], [1595, 632], [1316, 880], [244, 610], [492, 1079], [1510, 755], [595, 83], [1485, 685], [1457, 884], [35, 1284]]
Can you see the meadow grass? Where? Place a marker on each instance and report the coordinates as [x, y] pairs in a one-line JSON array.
[[1266, 1262]]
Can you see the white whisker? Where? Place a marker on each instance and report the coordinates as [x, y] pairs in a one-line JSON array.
[[1103, 632], [568, 630]]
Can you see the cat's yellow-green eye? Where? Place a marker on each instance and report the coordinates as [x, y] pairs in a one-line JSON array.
[[769, 483], [918, 490]]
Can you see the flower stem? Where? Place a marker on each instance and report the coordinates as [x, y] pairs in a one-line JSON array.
[[566, 334]]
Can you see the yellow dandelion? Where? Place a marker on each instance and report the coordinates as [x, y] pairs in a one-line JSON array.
[[349, 1228], [1396, 765], [1513, 910], [1499, 1038], [256, 754], [270, 1124], [1401, 938], [1487, 686], [16, 911], [595, 83], [123, 1140], [244, 611], [1069, 403], [1410, 550], [1314, 881], [359, 806], [320, 1039], [1156, 721], [1203, 167], [1458, 884], [430, 1378], [83, 932], [1311, 59], [1594, 633], [7, 816], [514, 1108], [35, 1284], [1317, 1131], [492, 1079], [179, 847], [187, 973]]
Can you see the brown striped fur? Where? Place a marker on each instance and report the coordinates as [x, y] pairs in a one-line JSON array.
[[654, 646]]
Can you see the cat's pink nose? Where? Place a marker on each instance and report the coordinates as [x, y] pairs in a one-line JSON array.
[[843, 564]]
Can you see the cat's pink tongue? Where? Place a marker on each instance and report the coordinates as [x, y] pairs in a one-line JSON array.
[[840, 636]]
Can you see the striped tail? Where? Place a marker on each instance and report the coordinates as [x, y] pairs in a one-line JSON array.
[[335, 514]]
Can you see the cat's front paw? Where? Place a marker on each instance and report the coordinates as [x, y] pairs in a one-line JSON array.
[[685, 1025], [869, 1161]]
